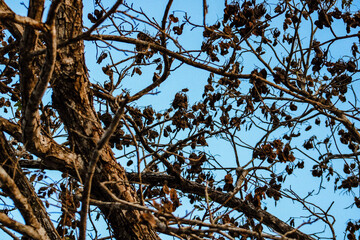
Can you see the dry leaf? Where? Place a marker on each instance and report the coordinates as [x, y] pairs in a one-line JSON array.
[[166, 189], [148, 218], [228, 179]]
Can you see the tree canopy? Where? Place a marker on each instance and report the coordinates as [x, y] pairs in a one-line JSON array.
[[179, 119]]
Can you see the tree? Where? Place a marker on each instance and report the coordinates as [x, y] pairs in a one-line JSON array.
[[281, 93]]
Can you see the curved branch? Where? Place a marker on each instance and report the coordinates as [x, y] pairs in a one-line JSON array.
[[33, 226], [249, 210], [11, 128], [20, 183], [14, 28], [19, 227]]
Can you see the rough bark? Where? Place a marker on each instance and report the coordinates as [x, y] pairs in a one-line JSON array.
[[72, 98]]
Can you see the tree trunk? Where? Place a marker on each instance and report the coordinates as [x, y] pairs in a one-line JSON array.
[[72, 98]]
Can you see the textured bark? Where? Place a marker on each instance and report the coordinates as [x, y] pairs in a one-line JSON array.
[[30, 67], [73, 101], [72, 98], [29, 42]]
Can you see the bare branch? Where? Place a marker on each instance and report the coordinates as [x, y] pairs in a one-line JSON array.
[[9, 186]]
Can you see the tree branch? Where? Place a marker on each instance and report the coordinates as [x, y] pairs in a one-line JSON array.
[[158, 179], [9, 186], [22, 191], [20, 228]]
